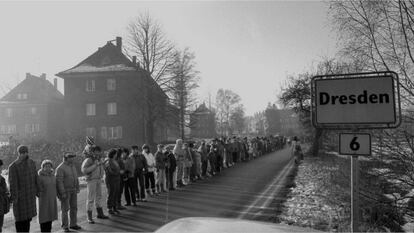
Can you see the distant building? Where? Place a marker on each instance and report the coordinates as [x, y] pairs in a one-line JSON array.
[[33, 109], [289, 122], [203, 123], [109, 97]]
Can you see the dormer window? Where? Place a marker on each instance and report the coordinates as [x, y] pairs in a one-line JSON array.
[[22, 96]]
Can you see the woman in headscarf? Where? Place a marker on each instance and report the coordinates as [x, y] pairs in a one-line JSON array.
[[179, 156], [47, 196]]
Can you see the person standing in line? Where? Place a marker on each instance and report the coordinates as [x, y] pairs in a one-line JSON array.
[[193, 168], [150, 175], [212, 161], [179, 156], [160, 165], [23, 181], [129, 161], [68, 188], [112, 181], [188, 163], [140, 170], [4, 198], [93, 170], [123, 178], [197, 161], [171, 169], [47, 202], [204, 159]]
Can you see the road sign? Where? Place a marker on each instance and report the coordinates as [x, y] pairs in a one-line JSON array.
[[354, 144], [365, 100]]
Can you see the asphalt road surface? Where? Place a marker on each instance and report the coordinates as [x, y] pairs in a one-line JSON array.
[[244, 191]]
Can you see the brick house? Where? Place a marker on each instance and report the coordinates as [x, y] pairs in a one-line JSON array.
[[106, 97], [203, 123], [33, 109]]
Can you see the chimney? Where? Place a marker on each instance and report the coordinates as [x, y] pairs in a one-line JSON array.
[[55, 83], [28, 75], [119, 43], [43, 76], [134, 60]]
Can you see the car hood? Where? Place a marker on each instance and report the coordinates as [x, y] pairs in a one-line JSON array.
[[208, 225]]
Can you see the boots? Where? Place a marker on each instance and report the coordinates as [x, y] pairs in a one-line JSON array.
[[111, 211], [90, 220], [101, 214]]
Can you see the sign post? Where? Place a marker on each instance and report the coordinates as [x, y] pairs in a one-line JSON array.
[[354, 102], [354, 194]]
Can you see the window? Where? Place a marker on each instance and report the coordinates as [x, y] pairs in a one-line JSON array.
[[3, 129], [91, 132], [33, 110], [111, 84], [115, 132], [104, 133], [22, 96], [90, 85], [111, 108], [32, 128], [9, 112], [90, 109], [11, 129]]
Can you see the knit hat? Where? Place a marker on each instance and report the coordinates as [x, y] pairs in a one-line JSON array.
[[90, 140], [45, 162], [69, 155]]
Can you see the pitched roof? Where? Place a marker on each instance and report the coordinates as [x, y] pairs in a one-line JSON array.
[[108, 58], [202, 109], [38, 90]]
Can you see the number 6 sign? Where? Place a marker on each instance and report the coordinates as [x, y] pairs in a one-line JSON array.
[[355, 144]]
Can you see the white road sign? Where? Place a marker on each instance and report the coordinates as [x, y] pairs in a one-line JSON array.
[[354, 144], [356, 100]]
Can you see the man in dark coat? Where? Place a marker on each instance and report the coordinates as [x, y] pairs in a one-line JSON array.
[[171, 166], [23, 180], [140, 169]]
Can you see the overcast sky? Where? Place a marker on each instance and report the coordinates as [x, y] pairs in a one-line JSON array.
[[249, 47]]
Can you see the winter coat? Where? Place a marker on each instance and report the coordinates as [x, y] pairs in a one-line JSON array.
[[66, 178], [112, 169], [188, 158], [4, 197], [91, 169], [203, 152], [23, 182], [160, 160], [129, 166], [121, 168], [179, 151], [172, 163], [140, 163], [150, 161], [48, 210]]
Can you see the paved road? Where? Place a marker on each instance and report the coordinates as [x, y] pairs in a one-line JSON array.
[[243, 191]]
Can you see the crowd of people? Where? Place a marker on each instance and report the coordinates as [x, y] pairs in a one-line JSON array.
[[129, 174]]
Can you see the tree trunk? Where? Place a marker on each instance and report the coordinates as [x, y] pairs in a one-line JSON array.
[[316, 142]]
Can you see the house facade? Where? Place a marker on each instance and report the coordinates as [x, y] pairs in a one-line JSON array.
[[203, 123], [33, 109], [109, 97]]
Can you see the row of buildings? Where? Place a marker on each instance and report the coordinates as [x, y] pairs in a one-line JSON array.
[[107, 96]]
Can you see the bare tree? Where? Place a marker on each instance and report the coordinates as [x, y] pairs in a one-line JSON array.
[[184, 81], [155, 53], [226, 103], [156, 56]]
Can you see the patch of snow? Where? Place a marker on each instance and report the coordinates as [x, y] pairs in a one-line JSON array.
[[89, 68]]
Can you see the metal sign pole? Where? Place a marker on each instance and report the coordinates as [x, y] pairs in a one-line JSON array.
[[354, 194]]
